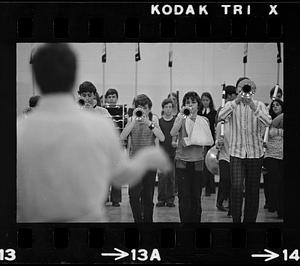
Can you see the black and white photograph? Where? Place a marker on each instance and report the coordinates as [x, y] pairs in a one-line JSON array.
[[150, 132]]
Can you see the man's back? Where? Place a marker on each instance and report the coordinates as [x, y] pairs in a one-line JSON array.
[[66, 149]]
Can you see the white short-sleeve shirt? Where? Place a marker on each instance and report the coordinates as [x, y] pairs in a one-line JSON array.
[[66, 157]]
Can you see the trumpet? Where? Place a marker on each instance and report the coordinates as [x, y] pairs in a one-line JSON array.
[[248, 88], [187, 111], [139, 113], [87, 103], [81, 102]]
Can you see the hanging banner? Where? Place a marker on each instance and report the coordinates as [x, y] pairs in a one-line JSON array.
[[245, 53], [279, 53], [104, 54], [137, 53], [170, 64]]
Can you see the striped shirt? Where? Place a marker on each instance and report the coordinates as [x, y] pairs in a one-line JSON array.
[[247, 128]]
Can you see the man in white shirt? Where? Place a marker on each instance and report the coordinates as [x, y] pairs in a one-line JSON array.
[[66, 157]]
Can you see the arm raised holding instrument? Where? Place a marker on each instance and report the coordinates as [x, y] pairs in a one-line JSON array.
[[177, 125], [184, 113], [245, 88], [260, 111], [154, 126], [226, 111], [128, 128]]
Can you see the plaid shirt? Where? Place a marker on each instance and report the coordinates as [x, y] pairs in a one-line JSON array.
[[247, 128]]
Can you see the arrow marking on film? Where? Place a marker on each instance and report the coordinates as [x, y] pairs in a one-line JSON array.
[[119, 255], [270, 256]]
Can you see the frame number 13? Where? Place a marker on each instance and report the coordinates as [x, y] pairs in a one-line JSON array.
[[7, 254]]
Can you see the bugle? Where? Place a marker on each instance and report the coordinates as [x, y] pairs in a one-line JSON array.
[[248, 88], [139, 113], [211, 160], [187, 111]]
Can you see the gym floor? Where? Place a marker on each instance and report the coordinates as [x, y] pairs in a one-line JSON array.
[[210, 213]]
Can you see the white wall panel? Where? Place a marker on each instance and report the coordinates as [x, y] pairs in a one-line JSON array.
[[196, 66]]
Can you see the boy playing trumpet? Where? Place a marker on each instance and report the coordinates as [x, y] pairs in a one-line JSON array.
[[142, 128]]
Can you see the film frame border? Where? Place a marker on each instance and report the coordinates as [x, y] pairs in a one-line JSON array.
[[177, 242]]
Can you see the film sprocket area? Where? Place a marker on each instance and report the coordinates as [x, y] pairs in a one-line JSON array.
[[118, 22]]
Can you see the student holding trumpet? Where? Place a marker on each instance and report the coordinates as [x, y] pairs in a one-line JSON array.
[[247, 119], [88, 98], [189, 157], [142, 128]]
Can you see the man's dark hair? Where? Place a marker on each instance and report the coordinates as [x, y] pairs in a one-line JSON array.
[[54, 68], [239, 80], [229, 90], [87, 86], [193, 96], [111, 91], [142, 100], [167, 101], [272, 91], [33, 100]]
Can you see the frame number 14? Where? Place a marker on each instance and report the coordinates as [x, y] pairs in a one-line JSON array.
[[292, 256]]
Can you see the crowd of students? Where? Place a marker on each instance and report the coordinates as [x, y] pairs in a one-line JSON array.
[[185, 138]]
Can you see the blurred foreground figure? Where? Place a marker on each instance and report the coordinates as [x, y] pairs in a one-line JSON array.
[[61, 149]]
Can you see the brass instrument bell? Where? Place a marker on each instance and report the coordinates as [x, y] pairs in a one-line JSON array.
[[187, 111], [211, 160], [247, 88], [139, 113]]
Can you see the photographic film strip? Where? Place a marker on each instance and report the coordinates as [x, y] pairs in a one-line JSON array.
[[152, 22]]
